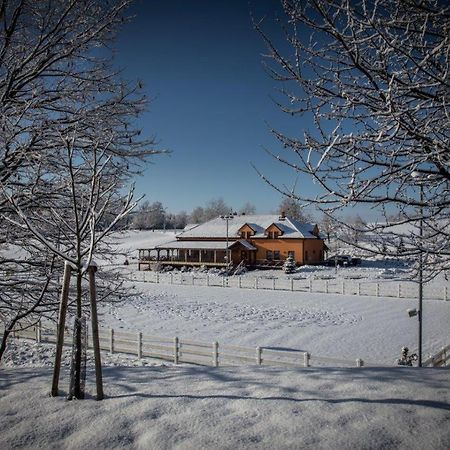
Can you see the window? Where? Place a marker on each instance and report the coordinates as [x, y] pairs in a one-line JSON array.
[[291, 253], [249, 234], [269, 255], [243, 234], [276, 255], [306, 255], [272, 234]]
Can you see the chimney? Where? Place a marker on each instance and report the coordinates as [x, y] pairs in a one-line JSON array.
[[282, 215]]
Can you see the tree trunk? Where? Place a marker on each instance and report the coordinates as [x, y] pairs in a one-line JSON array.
[[77, 391], [5, 336]]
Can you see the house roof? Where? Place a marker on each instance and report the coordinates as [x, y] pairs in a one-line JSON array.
[[203, 245], [216, 228]]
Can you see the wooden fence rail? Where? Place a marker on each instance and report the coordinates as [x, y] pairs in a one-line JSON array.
[[180, 350], [386, 288]]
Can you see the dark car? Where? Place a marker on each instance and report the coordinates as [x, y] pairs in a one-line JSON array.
[[342, 260]]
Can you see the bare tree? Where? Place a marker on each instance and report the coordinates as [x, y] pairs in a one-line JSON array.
[[247, 208], [215, 208], [197, 215], [292, 208], [69, 146], [150, 216], [370, 81]]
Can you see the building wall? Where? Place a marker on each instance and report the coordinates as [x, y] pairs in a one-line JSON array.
[[307, 251], [282, 245], [314, 251]]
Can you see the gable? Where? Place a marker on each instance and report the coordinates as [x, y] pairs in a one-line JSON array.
[[246, 228], [274, 228]]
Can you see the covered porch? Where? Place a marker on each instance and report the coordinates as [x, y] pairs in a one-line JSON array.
[[198, 253]]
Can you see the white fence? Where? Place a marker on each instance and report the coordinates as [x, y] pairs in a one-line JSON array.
[[202, 353], [188, 351], [384, 288], [440, 359]]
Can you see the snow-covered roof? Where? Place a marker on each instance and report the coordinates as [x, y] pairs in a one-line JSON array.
[[244, 243], [216, 228], [204, 245], [189, 226]]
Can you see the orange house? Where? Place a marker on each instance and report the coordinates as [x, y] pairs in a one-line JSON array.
[[252, 240]]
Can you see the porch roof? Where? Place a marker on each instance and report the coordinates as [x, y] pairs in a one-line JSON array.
[[204, 245]]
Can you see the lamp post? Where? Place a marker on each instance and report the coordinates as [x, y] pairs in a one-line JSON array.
[[227, 218], [416, 175]]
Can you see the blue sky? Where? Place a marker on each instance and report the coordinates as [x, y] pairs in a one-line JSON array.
[[201, 62]]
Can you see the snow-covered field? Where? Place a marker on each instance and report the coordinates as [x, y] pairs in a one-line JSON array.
[[155, 405], [192, 407], [349, 327]]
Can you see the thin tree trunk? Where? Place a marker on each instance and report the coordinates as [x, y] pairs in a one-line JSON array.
[[77, 392], [5, 336]]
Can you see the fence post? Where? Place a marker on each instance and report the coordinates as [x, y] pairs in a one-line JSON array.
[[216, 354], [445, 293], [157, 277], [399, 293], [378, 290], [207, 280], [273, 283], [326, 286], [310, 285], [292, 284], [171, 278], [223, 281], [111, 340], [258, 356], [193, 278], [359, 288], [256, 282], [240, 282], [306, 358], [175, 350], [343, 287], [359, 363], [139, 345]]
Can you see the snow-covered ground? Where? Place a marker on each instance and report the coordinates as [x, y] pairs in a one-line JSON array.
[[153, 405], [190, 407], [371, 328]]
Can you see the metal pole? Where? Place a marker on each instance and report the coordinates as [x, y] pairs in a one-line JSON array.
[[227, 251], [419, 316]]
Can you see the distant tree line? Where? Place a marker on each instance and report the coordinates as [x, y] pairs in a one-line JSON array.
[[154, 216], [151, 216]]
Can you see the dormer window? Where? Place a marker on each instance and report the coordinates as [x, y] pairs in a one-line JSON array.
[[272, 234]]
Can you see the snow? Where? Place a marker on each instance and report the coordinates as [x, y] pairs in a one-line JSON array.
[[350, 327], [189, 407], [259, 223], [157, 405]]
